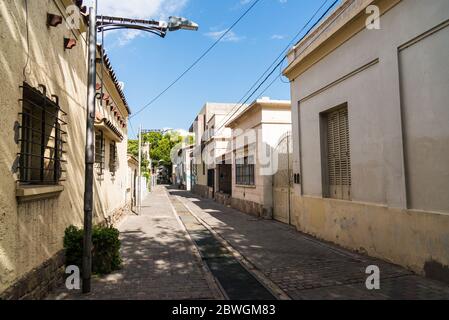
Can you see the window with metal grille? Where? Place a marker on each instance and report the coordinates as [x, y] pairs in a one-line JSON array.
[[42, 138], [113, 157], [99, 151], [244, 171], [338, 154]]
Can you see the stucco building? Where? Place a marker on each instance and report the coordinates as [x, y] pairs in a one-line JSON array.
[[212, 139], [370, 131], [182, 167], [43, 70], [257, 132]]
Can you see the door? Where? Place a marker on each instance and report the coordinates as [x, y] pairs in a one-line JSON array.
[[225, 178], [211, 181], [282, 181]]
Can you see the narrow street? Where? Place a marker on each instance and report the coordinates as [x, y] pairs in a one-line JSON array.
[[159, 260], [183, 247]]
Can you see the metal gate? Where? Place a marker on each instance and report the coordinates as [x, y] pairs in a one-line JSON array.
[[283, 181]]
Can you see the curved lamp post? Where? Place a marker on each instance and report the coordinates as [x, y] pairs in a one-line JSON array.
[[102, 24]]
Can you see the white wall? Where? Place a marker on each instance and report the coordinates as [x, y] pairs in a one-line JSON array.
[[374, 103]]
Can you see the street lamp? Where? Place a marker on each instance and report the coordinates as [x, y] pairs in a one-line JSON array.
[[102, 24], [177, 23]]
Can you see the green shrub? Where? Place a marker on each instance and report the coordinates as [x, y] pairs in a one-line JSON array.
[[105, 251]]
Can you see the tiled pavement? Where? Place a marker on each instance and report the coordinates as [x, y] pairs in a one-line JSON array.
[[303, 267], [158, 260], [161, 263]]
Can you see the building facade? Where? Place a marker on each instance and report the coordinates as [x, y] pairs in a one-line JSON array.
[[182, 168], [254, 152], [370, 131], [43, 70], [212, 139]]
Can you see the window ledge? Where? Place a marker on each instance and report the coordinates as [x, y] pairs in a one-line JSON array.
[[34, 193], [245, 186]]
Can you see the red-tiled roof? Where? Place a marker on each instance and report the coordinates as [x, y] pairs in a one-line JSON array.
[[113, 76]]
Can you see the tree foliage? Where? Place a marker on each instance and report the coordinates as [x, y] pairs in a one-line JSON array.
[[161, 146]]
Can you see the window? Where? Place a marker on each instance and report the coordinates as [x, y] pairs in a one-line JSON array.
[[336, 126], [99, 151], [113, 157], [41, 140], [244, 171]]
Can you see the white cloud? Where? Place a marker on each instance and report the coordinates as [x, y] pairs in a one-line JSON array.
[[231, 36], [277, 37], [140, 9]]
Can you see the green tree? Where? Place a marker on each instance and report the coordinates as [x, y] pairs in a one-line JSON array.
[[133, 147], [161, 146]]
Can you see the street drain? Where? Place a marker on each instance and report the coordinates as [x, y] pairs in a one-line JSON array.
[[236, 281]]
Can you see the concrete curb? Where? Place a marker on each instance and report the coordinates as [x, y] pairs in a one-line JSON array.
[[214, 285]]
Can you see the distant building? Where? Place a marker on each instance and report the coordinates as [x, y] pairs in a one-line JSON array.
[[182, 168], [370, 131], [212, 139], [254, 155]]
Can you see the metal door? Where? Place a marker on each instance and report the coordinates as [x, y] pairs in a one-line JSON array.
[[282, 181]]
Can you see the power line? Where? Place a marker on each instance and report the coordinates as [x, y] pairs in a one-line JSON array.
[[131, 127], [234, 111], [282, 54], [197, 60]]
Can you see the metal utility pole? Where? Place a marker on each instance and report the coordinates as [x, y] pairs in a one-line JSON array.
[[90, 150], [140, 171]]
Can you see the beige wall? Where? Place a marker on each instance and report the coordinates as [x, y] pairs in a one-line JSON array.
[[213, 115], [31, 233], [266, 123], [395, 82]]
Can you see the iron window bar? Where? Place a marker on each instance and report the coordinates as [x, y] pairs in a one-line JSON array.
[[46, 124], [47, 147], [100, 152], [39, 94], [40, 132], [113, 158], [47, 112], [40, 117], [39, 156]]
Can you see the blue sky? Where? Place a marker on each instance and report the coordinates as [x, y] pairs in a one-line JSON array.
[[147, 64]]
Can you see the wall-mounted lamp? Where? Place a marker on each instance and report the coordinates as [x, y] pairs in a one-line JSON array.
[[69, 43], [53, 20]]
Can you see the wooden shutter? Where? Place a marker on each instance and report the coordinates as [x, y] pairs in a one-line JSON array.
[[339, 158]]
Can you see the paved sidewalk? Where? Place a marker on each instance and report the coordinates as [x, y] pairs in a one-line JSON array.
[[159, 262], [303, 267]]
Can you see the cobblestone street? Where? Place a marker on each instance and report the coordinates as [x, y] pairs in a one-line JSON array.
[[302, 267], [161, 260]]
